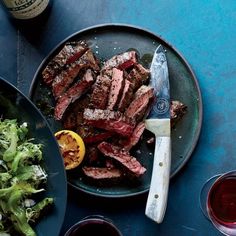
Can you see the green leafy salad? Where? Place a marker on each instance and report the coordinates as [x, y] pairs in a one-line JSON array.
[[21, 179]]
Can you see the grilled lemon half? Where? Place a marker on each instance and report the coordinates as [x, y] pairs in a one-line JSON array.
[[72, 148]]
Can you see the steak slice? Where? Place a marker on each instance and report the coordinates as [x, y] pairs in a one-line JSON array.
[[138, 76], [177, 111], [140, 103], [99, 96], [131, 141], [73, 94], [122, 61], [69, 53], [117, 84], [123, 157], [63, 81], [126, 97], [101, 172], [99, 137], [109, 120]]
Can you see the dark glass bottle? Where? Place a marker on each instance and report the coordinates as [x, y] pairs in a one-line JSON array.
[[27, 11]]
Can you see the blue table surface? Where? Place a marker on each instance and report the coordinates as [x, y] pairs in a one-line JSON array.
[[205, 33]]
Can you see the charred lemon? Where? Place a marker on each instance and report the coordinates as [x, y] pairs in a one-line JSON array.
[[72, 148]]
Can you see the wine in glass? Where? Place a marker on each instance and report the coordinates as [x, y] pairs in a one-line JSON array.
[[218, 202]]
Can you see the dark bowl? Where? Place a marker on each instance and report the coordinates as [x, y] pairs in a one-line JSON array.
[[14, 105]]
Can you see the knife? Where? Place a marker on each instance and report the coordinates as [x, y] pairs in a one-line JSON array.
[[158, 122]]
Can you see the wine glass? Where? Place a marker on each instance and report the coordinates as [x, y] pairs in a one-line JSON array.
[[218, 202]]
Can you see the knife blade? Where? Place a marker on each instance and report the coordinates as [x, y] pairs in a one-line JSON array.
[[158, 122]]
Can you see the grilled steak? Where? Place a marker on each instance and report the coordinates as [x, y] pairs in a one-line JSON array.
[[117, 84], [107, 112], [69, 53], [63, 81], [123, 157], [91, 156], [99, 97], [138, 76], [122, 61], [97, 138], [126, 96], [140, 103], [109, 120], [73, 94], [177, 110], [101, 172], [131, 141], [74, 114]]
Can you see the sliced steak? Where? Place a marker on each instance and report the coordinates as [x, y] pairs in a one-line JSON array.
[[140, 103], [97, 138], [63, 81], [73, 94], [126, 97], [138, 76], [177, 111], [91, 156], [121, 61], [109, 120], [99, 96], [117, 84], [123, 157], [85, 131], [69, 121], [101, 172], [69, 53], [74, 114], [89, 61], [131, 141]]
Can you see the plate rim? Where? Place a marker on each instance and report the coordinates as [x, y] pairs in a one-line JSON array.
[[165, 43], [50, 131]]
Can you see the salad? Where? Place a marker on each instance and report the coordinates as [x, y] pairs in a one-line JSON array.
[[22, 178]]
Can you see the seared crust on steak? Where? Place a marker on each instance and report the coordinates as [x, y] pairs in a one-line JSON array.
[[75, 92], [117, 84], [138, 76], [109, 120], [69, 53], [131, 141], [123, 157], [101, 89], [122, 61], [63, 81], [177, 111], [126, 97], [140, 103]]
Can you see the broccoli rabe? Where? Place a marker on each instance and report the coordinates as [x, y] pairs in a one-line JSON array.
[[21, 176]]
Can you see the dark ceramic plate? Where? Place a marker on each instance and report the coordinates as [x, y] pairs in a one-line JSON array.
[[14, 105], [106, 41]]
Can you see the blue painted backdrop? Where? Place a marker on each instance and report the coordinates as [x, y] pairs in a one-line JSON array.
[[205, 33]]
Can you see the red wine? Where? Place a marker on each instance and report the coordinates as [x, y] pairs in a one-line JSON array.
[[93, 227], [221, 201]]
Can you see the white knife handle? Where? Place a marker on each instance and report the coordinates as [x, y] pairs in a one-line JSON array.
[[158, 193]]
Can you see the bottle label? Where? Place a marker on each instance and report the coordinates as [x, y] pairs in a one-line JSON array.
[[26, 9]]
